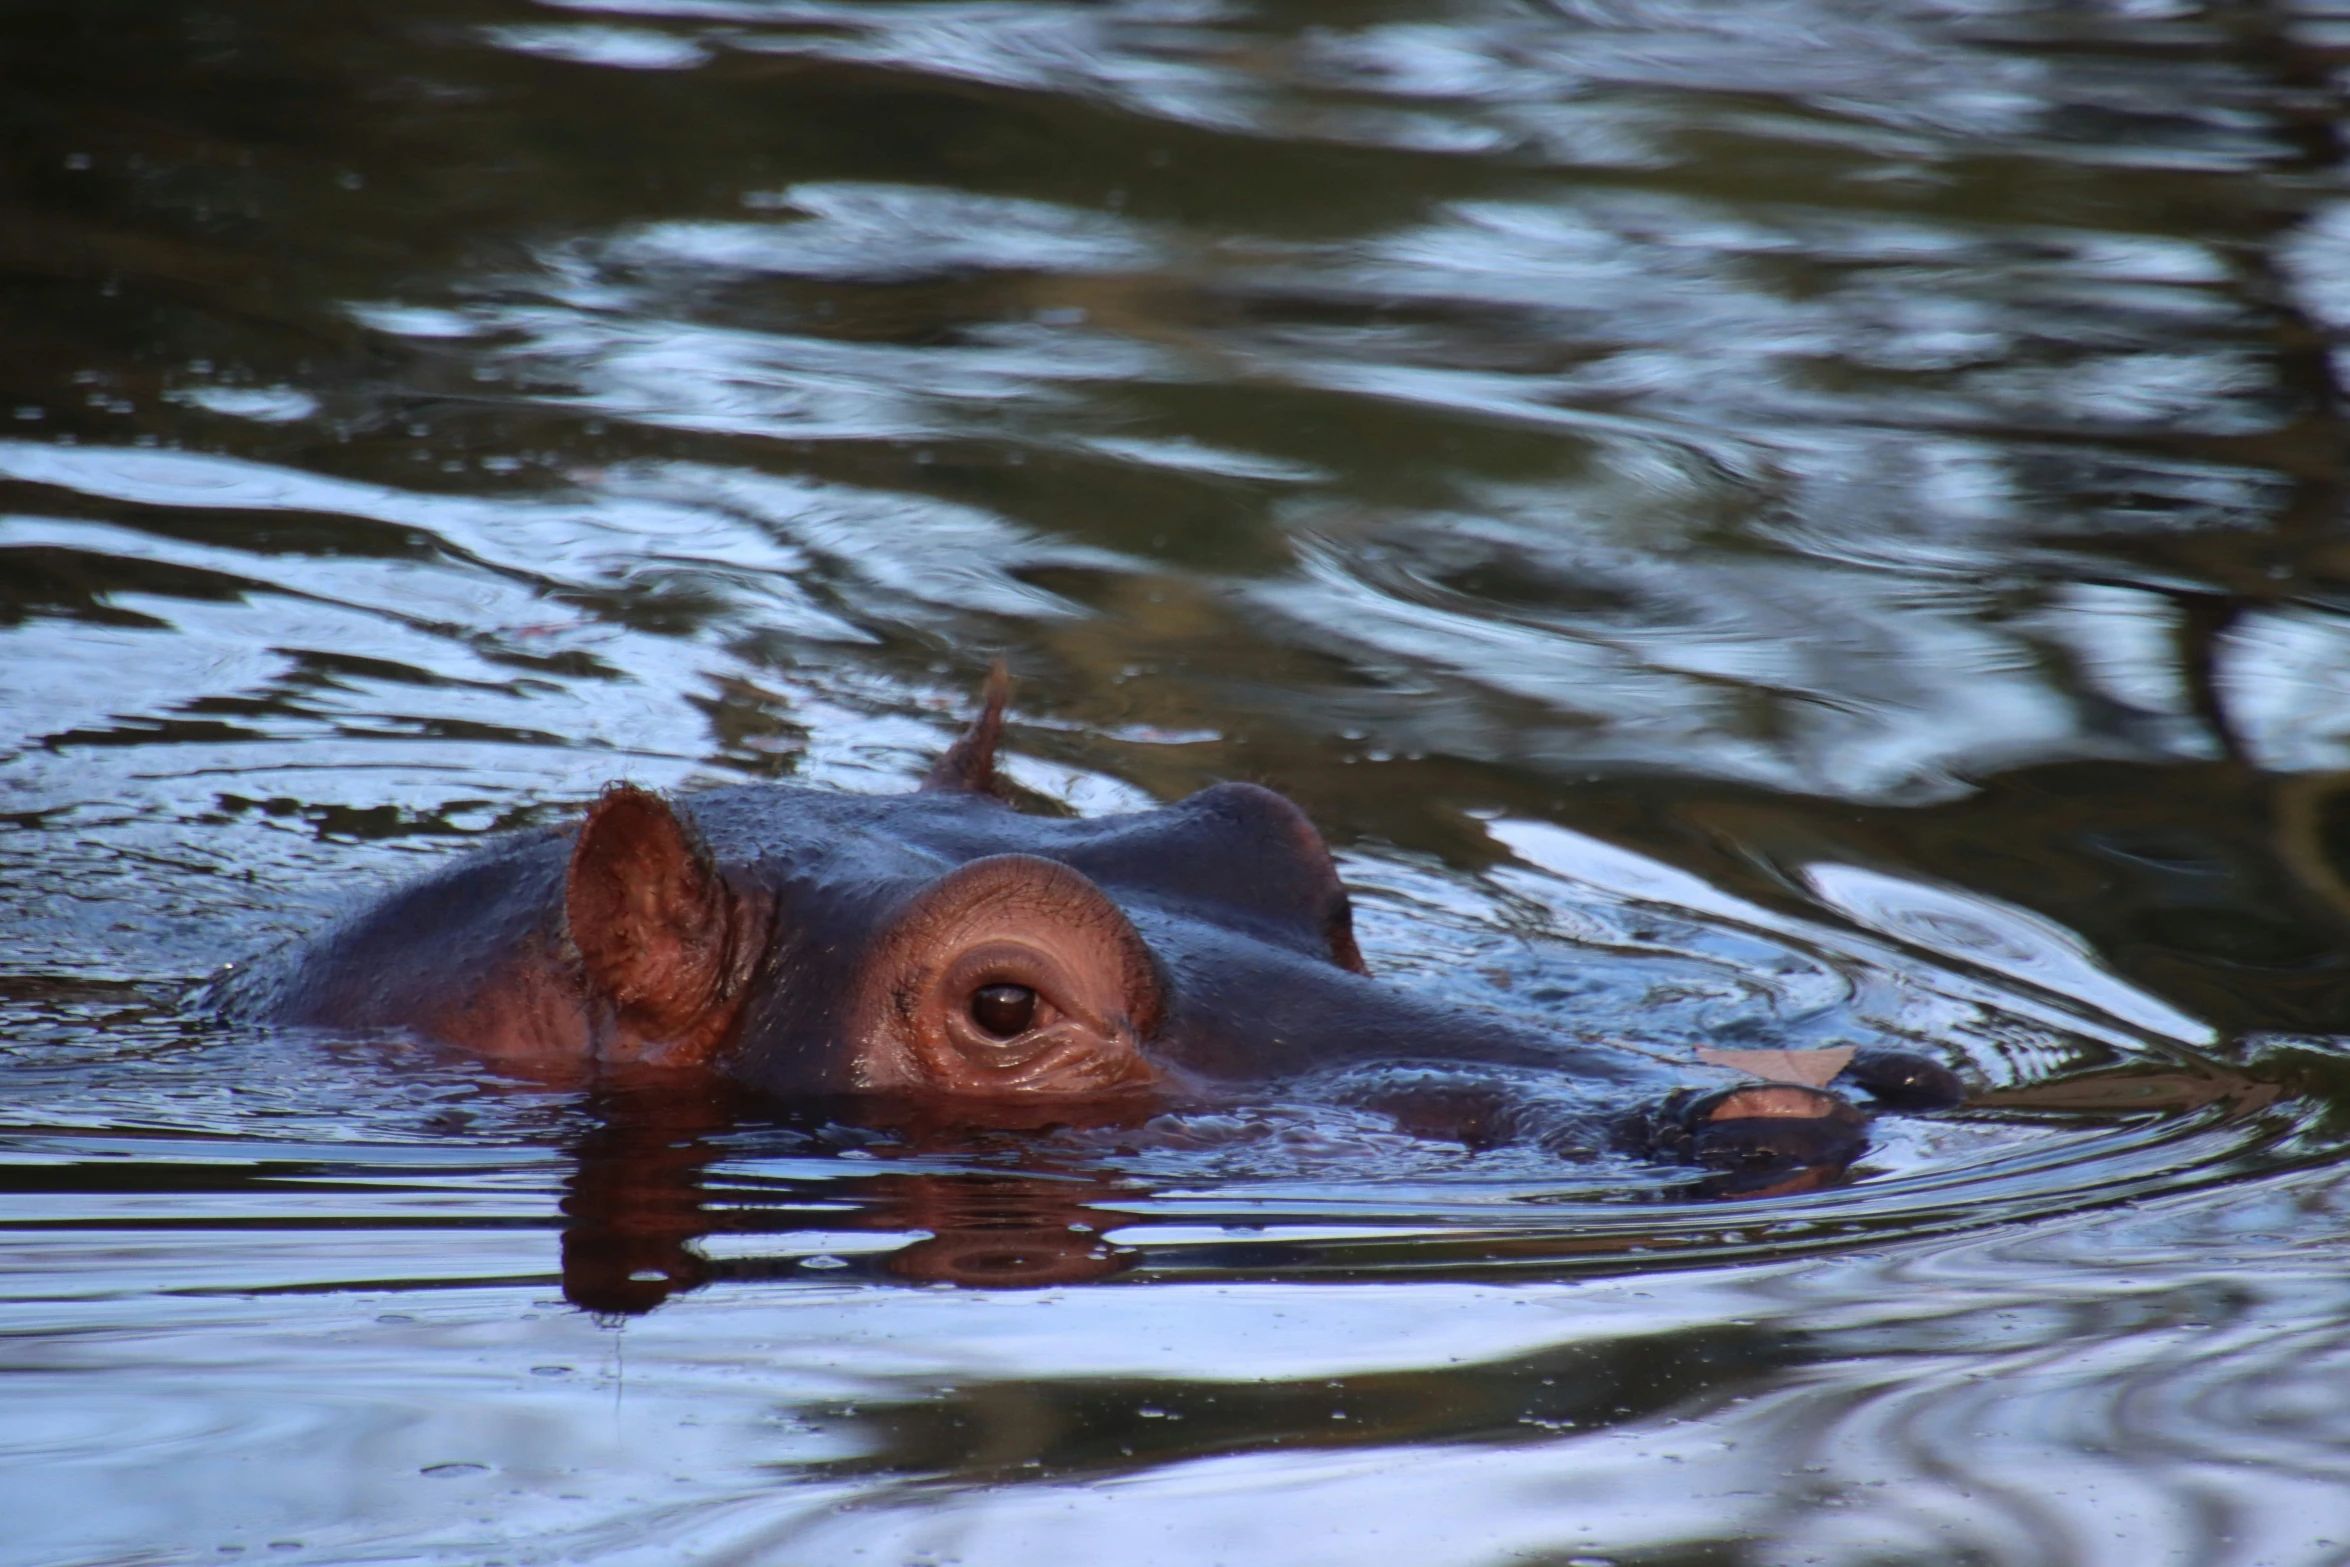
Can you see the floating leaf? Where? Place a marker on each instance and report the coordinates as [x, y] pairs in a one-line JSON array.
[[1812, 1068]]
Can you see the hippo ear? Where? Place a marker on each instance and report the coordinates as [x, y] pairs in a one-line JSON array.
[[652, 919], [969, 765]]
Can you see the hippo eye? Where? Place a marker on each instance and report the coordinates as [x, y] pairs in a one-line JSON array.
[[1004, 1011]]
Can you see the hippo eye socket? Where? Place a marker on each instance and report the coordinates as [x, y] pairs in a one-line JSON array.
[[1004, 1011]]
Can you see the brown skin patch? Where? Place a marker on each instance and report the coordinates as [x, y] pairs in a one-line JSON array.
[[533, 1019], [1808, 1157], [1782, 1101], [664, 942]]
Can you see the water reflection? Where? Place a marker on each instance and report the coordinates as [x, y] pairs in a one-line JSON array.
[[646, 1219], [675, 1188]]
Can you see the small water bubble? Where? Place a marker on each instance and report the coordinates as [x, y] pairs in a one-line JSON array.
[[456, 1471], [395, 1316], [823, 1260], [550, 1371]]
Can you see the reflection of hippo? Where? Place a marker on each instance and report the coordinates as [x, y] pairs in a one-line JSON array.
[[940, 949], [638, 1203]]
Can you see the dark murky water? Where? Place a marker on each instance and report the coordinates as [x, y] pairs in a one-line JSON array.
[[1806, 522]]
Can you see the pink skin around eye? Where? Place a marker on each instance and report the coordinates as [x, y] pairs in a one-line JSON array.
[[1018, 921]]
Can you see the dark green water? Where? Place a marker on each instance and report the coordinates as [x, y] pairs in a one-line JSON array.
[[1795, 521]]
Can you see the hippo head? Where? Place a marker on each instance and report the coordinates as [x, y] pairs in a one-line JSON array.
[[1008, 974], [946, 954], [944, 944]]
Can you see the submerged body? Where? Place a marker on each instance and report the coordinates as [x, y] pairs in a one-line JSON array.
[[943, 948]]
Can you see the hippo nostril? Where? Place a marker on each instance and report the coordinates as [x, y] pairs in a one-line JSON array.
[[1004, 1011]]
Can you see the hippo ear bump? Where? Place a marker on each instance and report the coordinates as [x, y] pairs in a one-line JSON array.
[[969, 764], [654, 922], [1287, 874]]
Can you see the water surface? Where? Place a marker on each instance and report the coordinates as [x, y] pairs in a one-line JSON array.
[[1804, 523]]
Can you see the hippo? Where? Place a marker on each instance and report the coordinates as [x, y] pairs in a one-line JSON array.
[[942, 954]]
